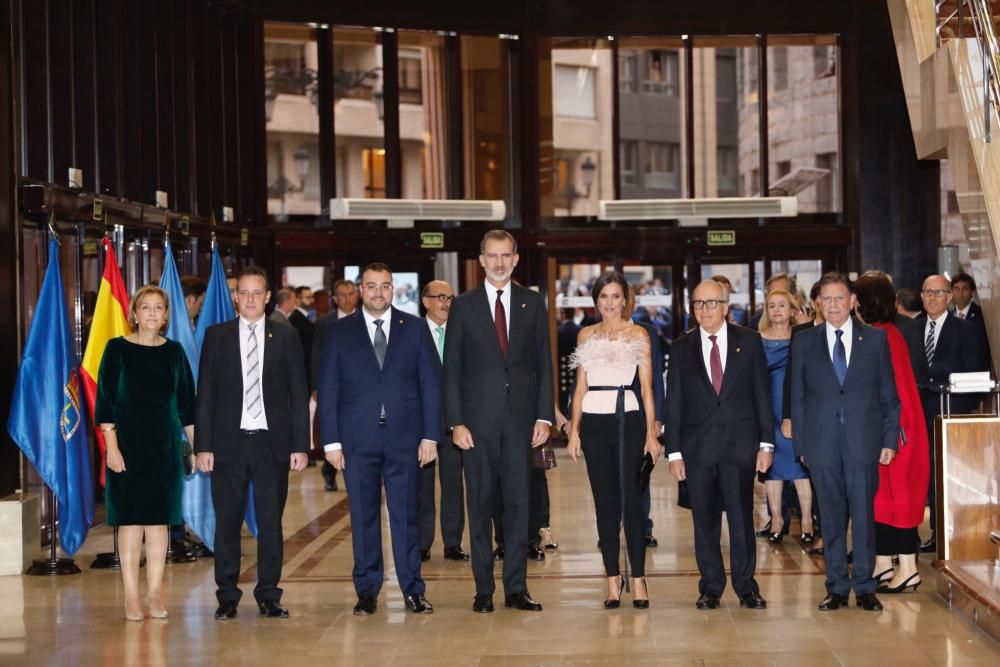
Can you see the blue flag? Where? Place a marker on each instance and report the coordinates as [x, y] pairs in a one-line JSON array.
[[216, 308], [196, 501], [46, 416]]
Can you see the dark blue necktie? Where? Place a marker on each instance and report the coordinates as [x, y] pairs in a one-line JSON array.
[[840, 358]]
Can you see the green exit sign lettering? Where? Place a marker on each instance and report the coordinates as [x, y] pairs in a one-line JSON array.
[[721, 237], [431, 239]]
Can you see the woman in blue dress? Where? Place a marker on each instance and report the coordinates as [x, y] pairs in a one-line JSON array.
[[776, 332]]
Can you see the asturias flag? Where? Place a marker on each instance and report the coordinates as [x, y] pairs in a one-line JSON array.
[[46, 417], [110, 321]]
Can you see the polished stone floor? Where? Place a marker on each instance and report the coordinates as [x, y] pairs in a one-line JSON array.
[[77, 620]]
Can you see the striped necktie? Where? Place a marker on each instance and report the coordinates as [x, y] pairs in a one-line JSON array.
[[929, 343], [251, 382], [440, 342]]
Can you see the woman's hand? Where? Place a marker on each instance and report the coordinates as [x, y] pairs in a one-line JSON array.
[[573, 446], [115, 461], [653, 448]]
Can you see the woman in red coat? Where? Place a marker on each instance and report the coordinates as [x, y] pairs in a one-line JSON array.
[[902, 490]]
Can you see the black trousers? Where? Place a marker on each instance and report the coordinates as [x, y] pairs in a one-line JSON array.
[[498, 467], [712, 490], [538, 509], [449, 469], [599, 440], [892, 541], [253, 459]]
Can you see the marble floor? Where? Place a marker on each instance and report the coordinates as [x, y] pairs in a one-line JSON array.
[[77, 620]]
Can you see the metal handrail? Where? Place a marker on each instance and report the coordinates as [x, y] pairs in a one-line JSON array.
[[981, 17]]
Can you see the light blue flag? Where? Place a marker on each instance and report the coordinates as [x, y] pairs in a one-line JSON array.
[[216, 308], [196, 501], [46, 416]]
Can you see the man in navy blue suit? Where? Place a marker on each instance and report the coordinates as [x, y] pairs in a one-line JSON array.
[[379, 408], [845, 412]]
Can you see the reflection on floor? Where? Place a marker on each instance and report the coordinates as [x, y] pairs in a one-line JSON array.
[[78, 620]]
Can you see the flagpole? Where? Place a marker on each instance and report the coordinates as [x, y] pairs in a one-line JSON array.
[[53, 565]]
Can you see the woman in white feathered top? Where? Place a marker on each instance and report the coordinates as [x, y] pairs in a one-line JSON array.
[[608, 426]]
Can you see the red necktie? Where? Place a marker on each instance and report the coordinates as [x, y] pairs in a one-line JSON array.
[[500, 322], [715, 362]]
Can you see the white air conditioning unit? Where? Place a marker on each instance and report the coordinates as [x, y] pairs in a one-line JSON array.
[[679, 209], [417, 209]]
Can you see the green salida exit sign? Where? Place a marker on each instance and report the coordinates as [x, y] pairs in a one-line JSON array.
[[431, 239], [721, 237]]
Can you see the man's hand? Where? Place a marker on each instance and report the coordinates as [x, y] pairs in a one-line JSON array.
[[336, 458], [428, 452], [677, 468], [298, 461], [786, 428], [764, 460], [540, 434], [462, 437], [887, 456], [206, 462]]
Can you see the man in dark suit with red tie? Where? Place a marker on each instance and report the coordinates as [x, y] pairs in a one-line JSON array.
[[719, 431], [253, 416], [499, 403]]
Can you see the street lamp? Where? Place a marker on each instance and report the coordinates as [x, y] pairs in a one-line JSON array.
[[588, 171], [378, 97], [301, 159], [282, 186]]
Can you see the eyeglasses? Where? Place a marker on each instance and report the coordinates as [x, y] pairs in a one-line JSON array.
[[376, 287], [710, 304], [256, 294], [443, 298], [936, 292], [837, 298]]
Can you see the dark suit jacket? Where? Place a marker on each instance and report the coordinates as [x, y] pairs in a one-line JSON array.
[[975, 315], [786, 390], [352, 388], [305, 328], [220, 391], [479, 383], [958, 350], [913, 334], [867, 403], [708, 429]]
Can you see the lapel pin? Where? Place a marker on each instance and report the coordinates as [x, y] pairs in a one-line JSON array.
[[524, 305], [859, 337], [270, 335], [737, 349], [401, 321]]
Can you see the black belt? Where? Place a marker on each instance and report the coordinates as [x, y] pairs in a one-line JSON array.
[[620, 418], [253, 431]]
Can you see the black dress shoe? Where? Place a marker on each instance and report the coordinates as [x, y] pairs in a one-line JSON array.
[[522, 601], [329, 476], [765, 530], [201, 551], [753, 601], [366, 606], [225, 610], [869, 602], [706, 601], [418, 604], [483, 603], [272, 609], [651, 542], [425, 555], [535, 551], [930, 546], [833, 601], [816, 551], [498, 552], [455, 553]]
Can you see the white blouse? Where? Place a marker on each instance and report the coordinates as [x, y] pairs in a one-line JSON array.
[[609, 363]]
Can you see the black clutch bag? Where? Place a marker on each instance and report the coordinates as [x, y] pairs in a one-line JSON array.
[[186, 451], [645, 470], [683, 499], [544, 457]]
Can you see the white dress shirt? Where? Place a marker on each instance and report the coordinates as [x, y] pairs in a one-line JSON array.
[[831, 338], [491, 295], [963, 313], [433, 326], [722, 340], [247, 422], [341, 314], [938, 323]]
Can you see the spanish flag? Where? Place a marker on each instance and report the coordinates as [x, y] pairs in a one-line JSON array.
[[110, 321]]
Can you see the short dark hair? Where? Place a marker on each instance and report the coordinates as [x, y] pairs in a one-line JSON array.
[[910, 300], [618, 278], [835, 278], [963, 277], [284, 295], [302, 288], [497, 235], [792, 285], [377, 267], [193, 286], [343, 283], [876, 299], [814, 291], [253, 270]]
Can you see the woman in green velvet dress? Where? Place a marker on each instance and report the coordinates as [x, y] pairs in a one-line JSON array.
[[145, 395]]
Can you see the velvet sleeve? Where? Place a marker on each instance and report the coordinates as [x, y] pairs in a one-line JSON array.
[[185, 389], [107, 384]]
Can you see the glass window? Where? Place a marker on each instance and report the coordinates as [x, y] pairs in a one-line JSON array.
[[728, 163], [804, 122], [573, 92], [629, 161], [575, 111], [291, 95], [628, 72], [485, 118], [662, 163], [358, 110], [410, 78], [778, 57], [423, 124], [661, 73]]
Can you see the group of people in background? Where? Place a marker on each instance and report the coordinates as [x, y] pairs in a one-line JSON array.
[[829, 402]]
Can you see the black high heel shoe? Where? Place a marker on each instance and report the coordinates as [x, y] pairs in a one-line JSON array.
[[881, 577], [807, 539], [775, 538], [611, 603], [642, 604], [903, 587]]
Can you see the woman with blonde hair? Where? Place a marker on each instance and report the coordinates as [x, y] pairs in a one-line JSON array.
[[776, 332], [145, 396]]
